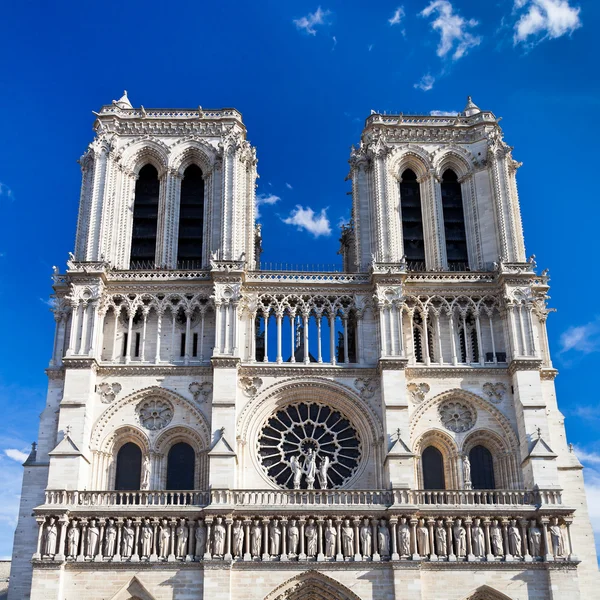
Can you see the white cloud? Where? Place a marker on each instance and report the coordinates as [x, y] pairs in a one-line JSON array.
[[310, 21], [545, 19], [584, 456], [443, 113], [591, 474], [397, 16], [426, 83], [265, 199], [370, 47], [581, 338], [16, 454], [288, 186], [453, 29], [306, 218], [6, 191]]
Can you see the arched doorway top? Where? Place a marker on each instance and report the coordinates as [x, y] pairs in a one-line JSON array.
[[312, 585]]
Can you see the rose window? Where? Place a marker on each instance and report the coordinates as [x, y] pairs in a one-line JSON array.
[[306, 429], [154, 413], [457, 416]]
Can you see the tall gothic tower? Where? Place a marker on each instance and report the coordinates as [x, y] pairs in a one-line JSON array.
[[217, 431]]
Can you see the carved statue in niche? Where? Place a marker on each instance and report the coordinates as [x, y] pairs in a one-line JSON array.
[[146, 473], [323, 468], [50, 533], [514, 539], [441, 538], [200, 536], [73, 539], [556, 538], [182, 539], [535, 538], [404, 537], [383, 537], [311, 537], [310, 469], [467, 472], [347, 539], [460, 537], [219, 538], [146, 538], [110, 538], [275, 537], [238, 538], [128, 537], [496, 539], [422, 538], [478, 538], [365, 538], [297, 470], [93, 535], [256, 538], [293, 538], [330, 539], [163, 539]]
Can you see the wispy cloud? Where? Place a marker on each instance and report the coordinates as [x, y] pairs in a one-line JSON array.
[[443, 113], [455, 38], [581, 338], [591, 461], [425, 83], [15, 454], [397, 16], [370, 47], [6, 192], [307, 219], [262, 199], [288, 186], [544, 19], [311, 20]]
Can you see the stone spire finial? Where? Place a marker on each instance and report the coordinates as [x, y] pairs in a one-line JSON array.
[[471, 108], [123, 101]]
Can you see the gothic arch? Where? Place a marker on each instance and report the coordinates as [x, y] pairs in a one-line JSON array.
[[485, 592], [311, 585], [455, 158], [415, 158], [447, 446], [143, 152], [193, 152]]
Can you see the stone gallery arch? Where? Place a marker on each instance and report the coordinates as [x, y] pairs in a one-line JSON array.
[[312, 586]]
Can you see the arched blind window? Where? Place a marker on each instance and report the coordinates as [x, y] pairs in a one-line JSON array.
[[180, 467], [412, 220], [482, 468], [433, 469], [454, 222], [145, 219], [191, 219], [129, 467]]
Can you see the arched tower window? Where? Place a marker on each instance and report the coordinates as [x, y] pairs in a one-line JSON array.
[[412, 220], [432, 462], [191, 219], [482, 468], [145, 219], [181, 464], [129, 467], [454, 222]]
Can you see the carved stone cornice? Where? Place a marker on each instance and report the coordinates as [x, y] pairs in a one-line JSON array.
[[225, 362], [548, 374], [392, 364], [55, 372], [309, 370], [524, 364], [450, 371], [83, 362], [153, 370]]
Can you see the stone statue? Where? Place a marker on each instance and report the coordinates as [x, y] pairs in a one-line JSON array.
[[347, 539], [93, 535], [163, 539], [256, 538], [50, 534], [310, 469], [182, 538], [496, 539], [293, 538], [146, 538], [311, 537], [535, 538], [467, 472], [514, 539], [73, 539], [365, 538], [219, 538], [323, 468], [404, 537], [275, 537], [478, 538], [146, 473], [422, 538], [238, 538], [128, 538], [441, 539], [556, 538], [383, 537], [200, 536], [460, 537], [330, 539], [110, 538], [296, 468]]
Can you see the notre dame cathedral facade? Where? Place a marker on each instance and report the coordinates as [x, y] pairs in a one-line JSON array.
[[214, 430]]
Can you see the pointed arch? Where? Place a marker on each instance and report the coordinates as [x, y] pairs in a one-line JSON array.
[[415, 158], [143, 152], [133, 590], [188, 152], [312, 585], [485, 592], [459, 160]]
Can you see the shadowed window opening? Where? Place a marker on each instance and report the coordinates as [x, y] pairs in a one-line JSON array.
[[145, 218], [191, 219], [129, 467], [454, 223], [412, 221], [482, 468], [433, 469], [180, 467]]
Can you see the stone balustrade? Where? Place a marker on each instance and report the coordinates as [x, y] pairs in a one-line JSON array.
[[345, 538]]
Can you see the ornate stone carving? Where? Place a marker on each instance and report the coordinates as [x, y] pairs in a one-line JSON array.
[[418, 391], [494, 391], [366, 386], [200, 390], [250, 385], [109, 391], [154, 413], [457, 416]]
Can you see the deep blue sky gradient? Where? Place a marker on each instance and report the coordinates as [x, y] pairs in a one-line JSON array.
[[304, 99]]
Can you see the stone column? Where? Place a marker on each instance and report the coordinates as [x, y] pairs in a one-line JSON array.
[[357, 555], [265, 540], [432, 554], [81, 555], [413, 539], [450, 542], [284, 556], [320, 555], [524, 545], [228, 522], [468, 524], [301, 523], [339, 557], [507, 555], [135, 557], [375, 545], [208, 544], [570, 555], [394, 525], [60, 551], [119, 524]]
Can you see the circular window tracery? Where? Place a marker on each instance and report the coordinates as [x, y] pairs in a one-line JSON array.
[[154, 413], [457, 416], [309, 428]]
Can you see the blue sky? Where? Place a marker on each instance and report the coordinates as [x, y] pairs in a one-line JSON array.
[[304, 76]]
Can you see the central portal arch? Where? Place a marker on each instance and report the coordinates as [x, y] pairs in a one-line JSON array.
[[312, 586]]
